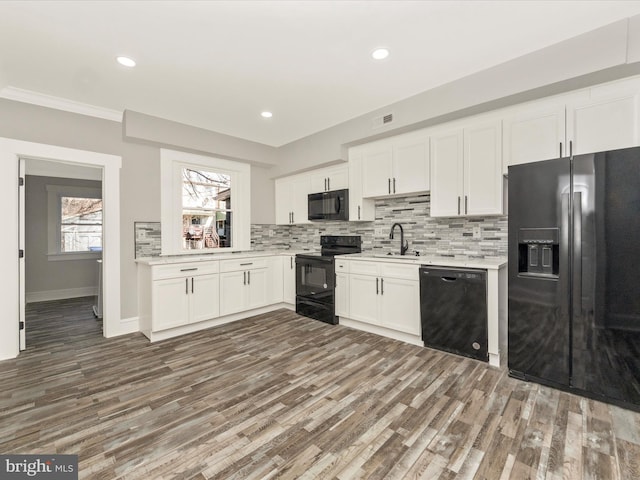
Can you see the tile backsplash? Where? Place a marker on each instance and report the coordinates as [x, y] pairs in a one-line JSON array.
[[455, 237]]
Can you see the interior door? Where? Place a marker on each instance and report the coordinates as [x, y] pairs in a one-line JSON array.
[[21, 214]]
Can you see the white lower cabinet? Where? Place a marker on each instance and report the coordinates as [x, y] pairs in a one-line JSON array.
[[385, 294], [400, 305], [342, 288], [184, 294], [177, 298], [289, 279], [243, 285]]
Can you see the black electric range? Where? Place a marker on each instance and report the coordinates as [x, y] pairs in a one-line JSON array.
[[316, 279]]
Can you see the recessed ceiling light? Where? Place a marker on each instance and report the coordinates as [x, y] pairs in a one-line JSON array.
[[380, 53], [267, 114], [126, 61]]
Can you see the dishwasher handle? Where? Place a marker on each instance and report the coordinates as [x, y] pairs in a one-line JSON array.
[[448, 279]]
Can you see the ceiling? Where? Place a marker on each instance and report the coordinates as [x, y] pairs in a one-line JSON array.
[[218, 64]]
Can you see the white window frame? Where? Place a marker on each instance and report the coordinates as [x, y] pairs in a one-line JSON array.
[[171, 164], [54, 221]]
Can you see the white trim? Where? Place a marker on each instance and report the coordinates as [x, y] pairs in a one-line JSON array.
[[59, 103], [10, 152], [129, 325], [47, 295], [214, 322], [171, 164], [58, 257], [54, 220]]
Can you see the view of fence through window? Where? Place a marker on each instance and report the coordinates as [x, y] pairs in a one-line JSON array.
[[80, 224], [206, 209]]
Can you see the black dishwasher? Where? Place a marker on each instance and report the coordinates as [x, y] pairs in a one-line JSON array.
[[453, 310]]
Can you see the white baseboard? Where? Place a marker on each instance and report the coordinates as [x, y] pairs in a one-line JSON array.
[[48, 295], [127, 325]]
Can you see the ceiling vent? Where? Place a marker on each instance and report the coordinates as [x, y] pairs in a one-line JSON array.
[[382, 120]]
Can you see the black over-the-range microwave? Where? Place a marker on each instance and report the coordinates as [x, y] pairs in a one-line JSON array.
[[332, 205]]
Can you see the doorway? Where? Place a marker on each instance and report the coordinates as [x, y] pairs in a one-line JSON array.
[[63, 241], [11, 243]]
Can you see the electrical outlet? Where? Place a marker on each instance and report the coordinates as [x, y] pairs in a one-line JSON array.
[[379, 231], [271, 232], [476, 232]]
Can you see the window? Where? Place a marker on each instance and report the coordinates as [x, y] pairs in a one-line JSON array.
[[74, 222], [205, 204], [206, 209], [80, 224]]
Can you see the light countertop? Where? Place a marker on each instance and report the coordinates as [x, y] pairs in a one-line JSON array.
[[494, 263], [187, 258]]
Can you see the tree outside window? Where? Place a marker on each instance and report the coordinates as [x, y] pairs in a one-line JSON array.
[[206, 209], [80, 224]]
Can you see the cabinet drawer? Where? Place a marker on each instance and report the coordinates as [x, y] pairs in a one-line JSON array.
[[242, 264], [395, 270], [363, 268], [342, 266], [193, 269]]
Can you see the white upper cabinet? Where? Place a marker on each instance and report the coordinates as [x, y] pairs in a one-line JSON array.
[[466, 168], [292, 199], [603, 117], [609, 119], [447, 154], [360, 208], [376, 169], [411, 164], [330, 178], [483, 168], [534, 132], [396, 166]]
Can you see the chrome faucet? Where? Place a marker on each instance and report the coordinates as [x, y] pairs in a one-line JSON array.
[[404, 246]]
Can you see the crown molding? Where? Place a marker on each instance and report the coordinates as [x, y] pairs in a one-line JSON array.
[[43, 100]]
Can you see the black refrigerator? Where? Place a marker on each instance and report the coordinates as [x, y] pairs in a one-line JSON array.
[[574, 274]]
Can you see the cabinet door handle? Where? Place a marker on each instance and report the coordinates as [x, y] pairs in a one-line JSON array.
[[328, 183], [458, 205], [358, 212], [244, 278], [389, 187], [377, 291], [291, 263], [186, 286], [325, 184], [382, 286], [191, 284], [394, 184], [249, 277], [466, 203], [560, 149], [188, 269], [571, 148], [245, 264], [293, 218]]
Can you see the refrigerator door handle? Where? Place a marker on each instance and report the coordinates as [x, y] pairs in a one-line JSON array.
[[563, 273], [577, 254]]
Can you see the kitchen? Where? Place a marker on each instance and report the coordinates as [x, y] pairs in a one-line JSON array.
[[426, 233]]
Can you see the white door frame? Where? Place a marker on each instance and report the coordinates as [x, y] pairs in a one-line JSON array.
[[10, 152], [21, 232]]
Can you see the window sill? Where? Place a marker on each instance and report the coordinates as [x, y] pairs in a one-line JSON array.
[[57, 257]]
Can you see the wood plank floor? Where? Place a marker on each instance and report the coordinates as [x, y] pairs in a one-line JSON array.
[[283, 396]]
